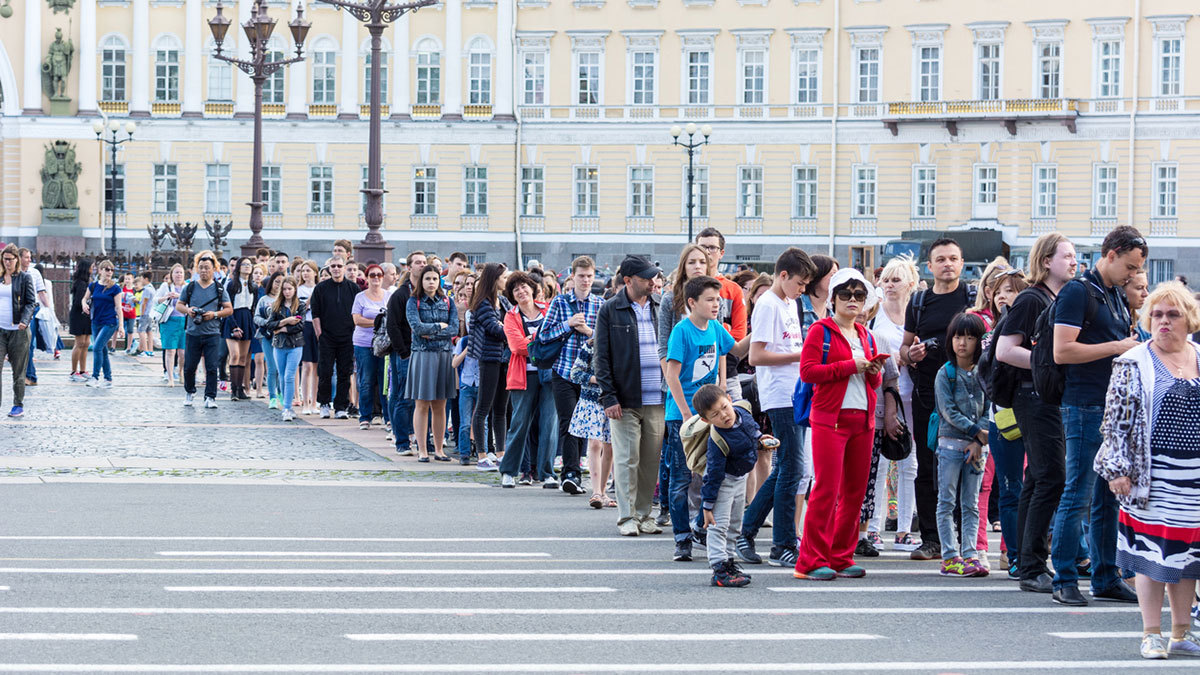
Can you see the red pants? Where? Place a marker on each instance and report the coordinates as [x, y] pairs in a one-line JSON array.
[[841, 467]]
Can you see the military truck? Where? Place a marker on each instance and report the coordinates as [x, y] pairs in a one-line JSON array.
[[980, 246]]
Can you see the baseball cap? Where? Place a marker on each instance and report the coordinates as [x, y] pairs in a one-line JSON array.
[[637, 266]]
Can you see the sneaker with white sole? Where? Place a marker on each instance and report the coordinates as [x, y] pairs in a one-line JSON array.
[[1154, 646], [507, 480], [189, 399], [210, 402], [905, 543], [364, 425], [342, 415], [1188, 646], [487, 465], [782, 557], [288, 416], [93, 382], [325, 412], [107, 384]]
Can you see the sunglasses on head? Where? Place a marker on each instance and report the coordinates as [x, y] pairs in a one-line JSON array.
[[1011, 273], [846, 295]]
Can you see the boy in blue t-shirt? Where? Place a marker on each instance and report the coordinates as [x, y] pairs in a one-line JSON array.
[[696, 353]]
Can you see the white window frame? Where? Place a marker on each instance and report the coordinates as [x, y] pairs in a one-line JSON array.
[[642, 78], [272, 188], [927, 87], [804, 191], [1104, 72], [217, 184], [585, 202], [859, 77], [1041, 63], [640, 182], [533, 191], [743, 77], [702, 96], [167, 69], [864, 195], [989, 87], [1104, 191], [750, 191], [475, 190], [700, 183], [320, 189], [114, 69], [577, 79], [985, 190], [428, 80], [1163, 86], [541, 74], [924, 192], [222, 72], [1045, 209], [165, 188], [480, 71], [275, 87], [806, 73], [425, 186], [324, 71], [1166, 202]]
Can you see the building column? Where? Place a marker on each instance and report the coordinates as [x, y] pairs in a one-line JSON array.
[[401, 65], [297, 87], [139, 100], [193, 60], [87, 58], [452, 96], [243, 97], [32, 86], [348, 75], [504, 61]]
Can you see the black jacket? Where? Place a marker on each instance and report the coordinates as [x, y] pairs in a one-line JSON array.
[[24, 300], [618, 356], [292, 336], [488, 341], [331, 302], [398, 329]]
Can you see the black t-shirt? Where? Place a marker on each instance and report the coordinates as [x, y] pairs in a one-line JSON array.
[[1022, 319], [938, 310]]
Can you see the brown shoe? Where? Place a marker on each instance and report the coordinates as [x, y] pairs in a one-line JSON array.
[[30, 383]]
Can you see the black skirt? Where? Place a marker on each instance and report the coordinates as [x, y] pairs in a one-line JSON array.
[[241, 318], [80, 323], [309, 355]]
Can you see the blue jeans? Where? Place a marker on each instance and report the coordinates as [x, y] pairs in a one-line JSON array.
[[272, 368], [286, 361], [1009, 457], [100, 357], [400, 409], [534, 402], [467, 393], [30, 371], [778, 492], [369, 369], [1082, 427], [958, 486], [679, 484], [664, 474]]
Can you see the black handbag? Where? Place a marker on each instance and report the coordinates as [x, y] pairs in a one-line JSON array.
[[899, 448]]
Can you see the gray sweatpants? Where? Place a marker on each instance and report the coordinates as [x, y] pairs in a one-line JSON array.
[[727, 514]]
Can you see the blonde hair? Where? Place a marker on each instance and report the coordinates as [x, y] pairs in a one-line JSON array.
[[201, 254], [1177, 295], [902, 266], [1043, 249], [171, 272], [295, 303], [982, 302]]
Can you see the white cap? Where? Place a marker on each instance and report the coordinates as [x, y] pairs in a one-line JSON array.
[[851, 274]]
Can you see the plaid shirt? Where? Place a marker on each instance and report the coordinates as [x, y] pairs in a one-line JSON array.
[[562, 308]]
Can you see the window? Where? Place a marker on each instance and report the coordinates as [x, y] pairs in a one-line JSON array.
[[1045, 191], [216, 188], [1109, 76], [479, 79], [166, 71], [114, 189], [642, 77], [365, 183], [754, 68], [804, 182], [534, 86], [864, 192], [383, 77], [989, 72], [429, 73], [533, 191], [166, 188], [1104, 191], [1165, 186], [112, 70], [699, 192], [929, 72], [808, 87], [1170, 66], [868, 75], [924, 192], [220, 80], [699, 74], [272, 189], [641, 191], [1049, 64], [1162, 269], [986, 188], [475, 191], [320, 184], [324, 58], [424, 191], [273, 92], [587, 192], [750, 191], [588, 80]]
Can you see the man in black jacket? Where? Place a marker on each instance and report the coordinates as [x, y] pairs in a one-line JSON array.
[[630, 380], [400, 409], [331, 304]]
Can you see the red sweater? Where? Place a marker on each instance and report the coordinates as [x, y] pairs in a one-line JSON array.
[[830, 380]]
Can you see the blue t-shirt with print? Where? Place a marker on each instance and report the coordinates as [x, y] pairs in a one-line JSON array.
[[698, 352], [1087, 383]]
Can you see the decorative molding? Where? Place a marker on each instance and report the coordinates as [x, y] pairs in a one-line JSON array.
[[697, 39], [1108, 28], [534, 40], [479, 4], [753, 38], [642, 39], [866, 36], [698, 3], [1046, 30], [928, 34], [1169, 25], [807, 37], [589, 4], [588, 39], [533, 4], [988, 31], [760, 3], [643, 4]]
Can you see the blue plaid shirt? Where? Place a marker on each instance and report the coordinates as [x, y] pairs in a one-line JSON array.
[[562, 308]]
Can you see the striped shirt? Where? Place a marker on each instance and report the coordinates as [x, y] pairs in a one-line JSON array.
[[652, 382]]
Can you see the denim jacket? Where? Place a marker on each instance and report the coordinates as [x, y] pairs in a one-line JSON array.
[[961, 406], [424, 315]]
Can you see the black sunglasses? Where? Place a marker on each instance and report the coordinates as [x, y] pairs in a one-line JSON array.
[[845, 295]]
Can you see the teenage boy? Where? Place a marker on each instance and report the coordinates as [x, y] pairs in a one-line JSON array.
[[696, 352], [733, 303], [144, 295], [203, 301], [775, 343], [924, 350], [343, 248], [1051, 265], [1087, 345], [129, 310]]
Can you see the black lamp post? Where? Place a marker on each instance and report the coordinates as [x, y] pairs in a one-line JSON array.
[[691, 145], [376, 14], [113, 143], [259, 67]]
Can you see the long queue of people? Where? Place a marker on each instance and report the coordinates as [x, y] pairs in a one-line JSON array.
[[799, 401]]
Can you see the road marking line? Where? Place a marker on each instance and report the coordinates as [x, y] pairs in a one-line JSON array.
[[360, 554], [838, 588], [508, 667], [625, 571], [387, 589], [1122, 634], [386, 540], [564, 611], [605, 637], [68, 636]]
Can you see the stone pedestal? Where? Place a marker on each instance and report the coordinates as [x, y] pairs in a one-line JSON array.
[[60, 231], [373, 253], [60, 107]]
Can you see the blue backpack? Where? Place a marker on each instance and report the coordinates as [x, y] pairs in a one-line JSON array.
[[935, 420], [803, 395]]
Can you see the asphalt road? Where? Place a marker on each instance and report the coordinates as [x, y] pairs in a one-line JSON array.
[[123, 577]]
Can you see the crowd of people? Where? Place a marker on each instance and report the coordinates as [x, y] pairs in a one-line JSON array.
[[824, 403]]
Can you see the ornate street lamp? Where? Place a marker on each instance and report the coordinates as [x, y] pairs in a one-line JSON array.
[[376, 14], [113, 143], [691, 145], [259, 67]]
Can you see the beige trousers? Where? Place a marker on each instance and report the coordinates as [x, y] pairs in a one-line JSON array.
[[637, 446]]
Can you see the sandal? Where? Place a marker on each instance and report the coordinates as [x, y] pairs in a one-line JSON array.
[[610, 502], [996, 526], [441, 458], [423, 460], [596, 502]]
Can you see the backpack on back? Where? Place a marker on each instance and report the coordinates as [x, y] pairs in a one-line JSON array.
[[1049, 377], [998, 379], [694, 435]]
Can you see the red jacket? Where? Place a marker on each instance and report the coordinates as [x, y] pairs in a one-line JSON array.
[[829, 380], [732, 293], [518, 344]]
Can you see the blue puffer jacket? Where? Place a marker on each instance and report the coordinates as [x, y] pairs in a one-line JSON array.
[[488, 342], [424, 314]]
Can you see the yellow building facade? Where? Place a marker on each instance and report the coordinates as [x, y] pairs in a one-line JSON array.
[[543, 126]]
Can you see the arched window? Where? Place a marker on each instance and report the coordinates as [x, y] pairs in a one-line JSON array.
[[113, 53], [385, 48], [273, 88], [429, 72], [220, 73], [166, 69], [479, 73], [324, 54]]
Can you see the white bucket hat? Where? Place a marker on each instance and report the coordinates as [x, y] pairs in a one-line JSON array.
[[851, 274]]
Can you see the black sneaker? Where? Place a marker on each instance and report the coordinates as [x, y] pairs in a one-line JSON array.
[[866, 549], [700, 538], [782, 557], [726, 576], [736, 568], [1014, 572], [929, 550], [664, 516], [683, 551], [570, 485], [745, 551]]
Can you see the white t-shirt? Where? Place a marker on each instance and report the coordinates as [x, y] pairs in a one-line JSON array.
[[856, 388], [776, 324], [894, 335]]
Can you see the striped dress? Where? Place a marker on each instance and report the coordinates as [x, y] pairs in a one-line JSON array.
[[1162, 541]]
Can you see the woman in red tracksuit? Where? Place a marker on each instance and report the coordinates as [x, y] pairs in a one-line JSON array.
[[843, 428]]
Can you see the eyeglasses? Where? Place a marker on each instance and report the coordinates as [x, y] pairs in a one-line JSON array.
[[710, 248], [336, 267], [374, 275], [1169, 316], [846, 295]]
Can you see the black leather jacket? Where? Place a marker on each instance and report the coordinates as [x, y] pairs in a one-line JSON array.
[[292, 336], [24, 299], [618, 356]]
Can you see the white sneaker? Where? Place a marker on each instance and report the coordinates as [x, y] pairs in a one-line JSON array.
[[164, 376], [210, 403], [288, 416], [341, 415], [189, 399], [107, 384], [389, 437], [324, 412], [93, 382]]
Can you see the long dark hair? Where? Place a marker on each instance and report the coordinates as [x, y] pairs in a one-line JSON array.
[[82, 275], [967, 324], [824, 265], [266, 288], [235, 281], [485, 288], [419, 287]]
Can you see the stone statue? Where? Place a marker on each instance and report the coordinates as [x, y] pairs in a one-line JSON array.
[[56, 66], [60, 5], [59, 174]]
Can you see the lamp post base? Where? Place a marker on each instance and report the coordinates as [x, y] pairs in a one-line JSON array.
[[379, 252]]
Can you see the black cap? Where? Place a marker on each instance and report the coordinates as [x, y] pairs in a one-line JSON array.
[[637, 266]]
